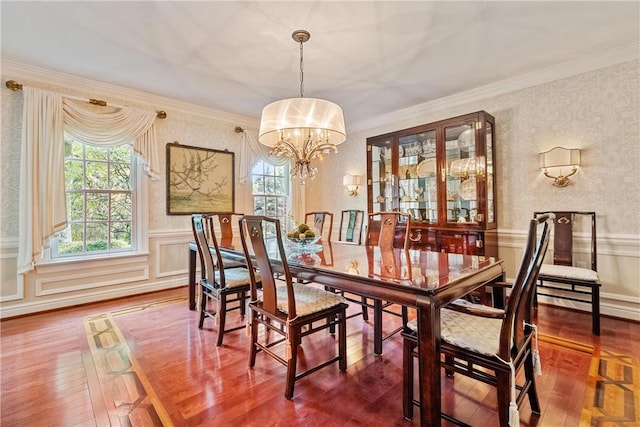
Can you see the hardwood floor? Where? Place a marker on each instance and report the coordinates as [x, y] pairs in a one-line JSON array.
[[154, 354]]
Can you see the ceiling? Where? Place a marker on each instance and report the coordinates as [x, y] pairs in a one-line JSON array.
[[371, 58]]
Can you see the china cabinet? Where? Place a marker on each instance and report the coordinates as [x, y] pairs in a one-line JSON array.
[[442, 174]]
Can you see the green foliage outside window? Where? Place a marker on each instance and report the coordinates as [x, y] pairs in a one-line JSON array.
[[99, 199]]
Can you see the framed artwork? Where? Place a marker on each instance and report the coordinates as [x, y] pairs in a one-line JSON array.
[[199, 180]]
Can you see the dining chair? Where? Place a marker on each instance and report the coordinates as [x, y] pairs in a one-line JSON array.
[[351, 222], [488, 344], [569, 276], [229, 287], [290, 309], [223, 222], [322, 222], [387, 230]]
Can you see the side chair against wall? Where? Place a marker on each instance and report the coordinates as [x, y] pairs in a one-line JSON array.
[[351, 222], [563, 276], [290, 309], [228, 287], [322, 222], [489, 344]]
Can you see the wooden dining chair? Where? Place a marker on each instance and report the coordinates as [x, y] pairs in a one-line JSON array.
[[351, 223], [322, 222], [228, 287], [565, 277], [387, 230], [488, 344], [292, 310], [223, 223]]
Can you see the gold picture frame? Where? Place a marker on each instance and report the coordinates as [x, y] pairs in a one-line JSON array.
[[199, 180]]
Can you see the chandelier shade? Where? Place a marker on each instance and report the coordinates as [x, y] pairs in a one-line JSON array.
[[296, 118], [302, 128]]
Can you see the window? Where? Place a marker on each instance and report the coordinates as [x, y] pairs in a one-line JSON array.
[[271, 190], [101, 200]]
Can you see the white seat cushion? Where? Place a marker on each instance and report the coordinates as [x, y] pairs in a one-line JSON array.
[[568, 272], [235, 277], [475, 333], [309, 299]]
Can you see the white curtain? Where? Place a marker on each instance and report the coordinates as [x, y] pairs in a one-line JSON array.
[[46, 116], [125, 125], [251, 150], [43, 209]]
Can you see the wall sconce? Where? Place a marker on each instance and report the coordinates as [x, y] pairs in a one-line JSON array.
[[560, 157], [352, 184]]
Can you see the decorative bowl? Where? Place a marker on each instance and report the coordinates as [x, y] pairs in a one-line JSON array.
[[307, 241]]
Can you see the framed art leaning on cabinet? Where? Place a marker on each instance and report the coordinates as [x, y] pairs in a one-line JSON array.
[[199, 180]]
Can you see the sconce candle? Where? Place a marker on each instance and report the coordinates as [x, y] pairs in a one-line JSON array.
[[558, 158], [351, 184]]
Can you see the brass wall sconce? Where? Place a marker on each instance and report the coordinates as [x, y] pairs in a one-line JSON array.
[[352, 184], [559, 158]]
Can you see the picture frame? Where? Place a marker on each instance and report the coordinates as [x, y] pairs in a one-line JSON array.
[[199, 180]]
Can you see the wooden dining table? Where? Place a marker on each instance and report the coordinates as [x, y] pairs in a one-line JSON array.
[[423, 280]]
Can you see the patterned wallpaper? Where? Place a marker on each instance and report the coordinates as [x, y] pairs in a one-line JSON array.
[[597, 111]]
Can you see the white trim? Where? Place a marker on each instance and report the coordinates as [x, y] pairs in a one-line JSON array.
[[19, 294], [88, 279], [158, 251], [72, 300]]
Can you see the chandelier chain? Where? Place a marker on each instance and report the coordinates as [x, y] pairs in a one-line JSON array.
[[301, 70]]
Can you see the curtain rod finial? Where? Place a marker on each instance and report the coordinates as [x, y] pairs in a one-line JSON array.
[[161, 114], [13, 85], [239, 129]]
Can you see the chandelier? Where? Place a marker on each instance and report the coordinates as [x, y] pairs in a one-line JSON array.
[[302, 128]]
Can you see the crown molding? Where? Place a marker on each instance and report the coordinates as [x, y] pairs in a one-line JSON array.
[[20, 72], [566, 69]]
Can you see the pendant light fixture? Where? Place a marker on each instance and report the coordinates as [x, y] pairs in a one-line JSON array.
[[302, 128]]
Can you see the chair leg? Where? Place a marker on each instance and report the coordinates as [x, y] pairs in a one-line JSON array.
[[292, 363], [203, 309], [222, 317], [530, 378], [503, 387], [407, 379], [342, 340], [448, 360], [377, 326], [254, 339], [242, 296], [365, 311], [595, 309]]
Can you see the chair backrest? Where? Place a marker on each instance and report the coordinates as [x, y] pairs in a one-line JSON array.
[[351, 224], [317, 220], [520, 304], [224, 222], [566, 225], [388, 230], [205, 236], [262, 256]]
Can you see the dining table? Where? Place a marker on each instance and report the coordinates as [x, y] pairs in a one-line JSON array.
[[421, 279]]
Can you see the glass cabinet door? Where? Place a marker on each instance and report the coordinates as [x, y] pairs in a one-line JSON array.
[[461, 174], [417, 178], [381, 179], [491, 213]]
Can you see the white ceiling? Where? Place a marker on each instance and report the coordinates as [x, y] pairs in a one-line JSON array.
[[369, 57]]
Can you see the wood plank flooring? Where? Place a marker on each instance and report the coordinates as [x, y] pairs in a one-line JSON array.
[[53, 375]]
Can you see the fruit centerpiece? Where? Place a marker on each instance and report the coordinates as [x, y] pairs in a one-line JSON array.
[[302, 235]]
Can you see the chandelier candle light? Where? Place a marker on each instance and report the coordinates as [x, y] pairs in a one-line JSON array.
[[302, 128]]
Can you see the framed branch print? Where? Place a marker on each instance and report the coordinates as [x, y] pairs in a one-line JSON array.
[[199, 180]]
